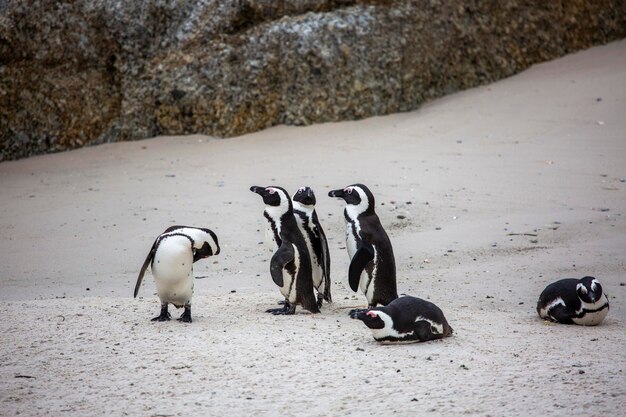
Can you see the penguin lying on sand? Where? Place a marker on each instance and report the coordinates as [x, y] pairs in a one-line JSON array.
[[171, 259], [290, 266], [405, 320], [574, 301], [372, 264], [304, 211]]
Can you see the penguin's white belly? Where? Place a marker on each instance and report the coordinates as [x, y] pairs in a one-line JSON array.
[[593, 318], [318, 272], [366, 289], [288, 290], [172, 269], [316, 268], [270, 239], [351, 243]]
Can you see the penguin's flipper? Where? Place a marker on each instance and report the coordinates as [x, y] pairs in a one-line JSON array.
[[325, 265], [363, 256], [560, 314], [144, 267], [282, 257], [423, 331]]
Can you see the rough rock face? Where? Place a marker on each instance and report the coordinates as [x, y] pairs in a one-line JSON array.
[[90, 71]]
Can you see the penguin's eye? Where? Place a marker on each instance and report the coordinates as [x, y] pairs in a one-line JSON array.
[[583, 289], [271, 190], [300, 190], [594, 287], [349, 190], [371, 314]]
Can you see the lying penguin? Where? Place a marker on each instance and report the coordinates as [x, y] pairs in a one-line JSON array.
[[171, 258], [574, 301], [405, 320]]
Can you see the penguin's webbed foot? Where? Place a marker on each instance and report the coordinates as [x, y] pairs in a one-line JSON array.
[[320, 300], [186, 316], [287, 309], [282, 302], [164, 316]]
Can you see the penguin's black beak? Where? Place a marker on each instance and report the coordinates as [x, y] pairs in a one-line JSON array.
[[336, 193], [368, 317], [358, 313], [257, 189]]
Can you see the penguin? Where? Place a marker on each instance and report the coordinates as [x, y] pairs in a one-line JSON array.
[[372, 263], [308, 222], [290, 266], [405, 320], [171, 258], [574, 301]]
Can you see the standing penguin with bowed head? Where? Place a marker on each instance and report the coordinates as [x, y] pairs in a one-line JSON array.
[[309, 224], [574, 301], [171, 257], [372, 263], [290, 266]]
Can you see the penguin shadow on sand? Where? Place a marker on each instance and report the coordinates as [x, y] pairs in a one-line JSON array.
[[373, 270]]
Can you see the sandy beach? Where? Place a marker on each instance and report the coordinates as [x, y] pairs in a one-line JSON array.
[[488, 195]]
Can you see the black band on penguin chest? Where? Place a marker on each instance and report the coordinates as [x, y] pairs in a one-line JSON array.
[[313, 237], [355, 234], [586, 311], [176, 234], [272, 223], [369, 269], [291, 270]]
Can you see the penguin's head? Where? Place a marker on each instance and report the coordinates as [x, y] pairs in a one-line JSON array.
[[274, 197], [305, 196], [215, 247], [359, 199], [589, 290], [371, 318]]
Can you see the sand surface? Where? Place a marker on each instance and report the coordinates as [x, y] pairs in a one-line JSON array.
[[487, 195]]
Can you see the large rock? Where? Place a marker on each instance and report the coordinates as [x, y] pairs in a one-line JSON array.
[[91, 71]]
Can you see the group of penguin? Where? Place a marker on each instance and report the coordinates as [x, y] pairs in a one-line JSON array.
[[300, 267]]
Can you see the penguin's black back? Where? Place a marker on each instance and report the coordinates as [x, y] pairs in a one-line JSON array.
[[373, 232], [564, 289]]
